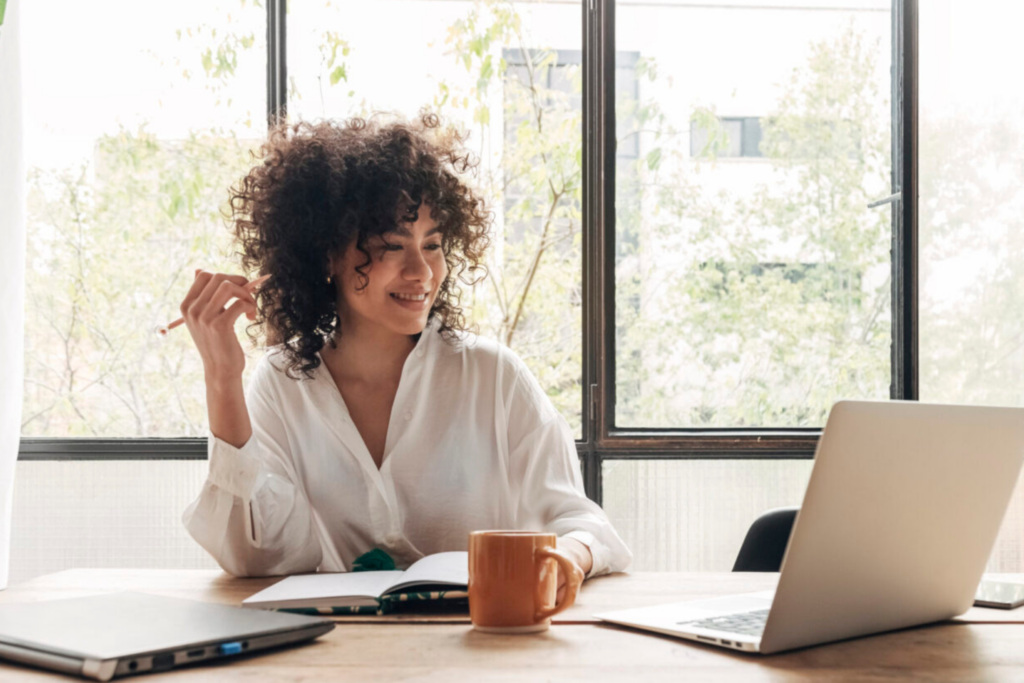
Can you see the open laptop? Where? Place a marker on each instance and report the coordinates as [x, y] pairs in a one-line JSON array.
[[117, 634], [897, 525]]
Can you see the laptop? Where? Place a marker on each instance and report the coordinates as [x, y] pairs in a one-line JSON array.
[[898, 522], [118, 634]]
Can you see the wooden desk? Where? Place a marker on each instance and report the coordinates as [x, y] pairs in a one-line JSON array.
[[615, 591], [410, 649]]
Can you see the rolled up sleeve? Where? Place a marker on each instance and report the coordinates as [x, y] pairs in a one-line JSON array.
[[545, 465], [251, 514]]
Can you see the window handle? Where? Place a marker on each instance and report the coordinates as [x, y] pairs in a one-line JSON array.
[[887, 200]]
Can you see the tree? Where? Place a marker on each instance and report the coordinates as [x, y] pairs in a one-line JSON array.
[[532, 298], [729, 330], [972, 248], [111, 244], [773, 303]]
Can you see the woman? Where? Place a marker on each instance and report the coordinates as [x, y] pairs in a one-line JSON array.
[[377, 422]]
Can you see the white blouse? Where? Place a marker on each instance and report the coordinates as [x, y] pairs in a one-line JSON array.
[[473, 443]]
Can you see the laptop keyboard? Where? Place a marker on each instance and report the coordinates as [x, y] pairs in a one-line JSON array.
[[746, 623]]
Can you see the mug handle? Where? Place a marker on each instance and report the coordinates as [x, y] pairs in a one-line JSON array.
[[574, 578]]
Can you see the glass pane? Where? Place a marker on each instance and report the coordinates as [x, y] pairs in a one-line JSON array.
[[58, 522], [134, 130], [971, 223], [692, 515], [509, 74], [752, 281]]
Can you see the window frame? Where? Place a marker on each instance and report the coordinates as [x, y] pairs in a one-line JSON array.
[[606, 440], [602, 438]]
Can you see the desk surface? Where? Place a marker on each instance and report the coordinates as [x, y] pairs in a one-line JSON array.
[[406, 648], [615, 591]]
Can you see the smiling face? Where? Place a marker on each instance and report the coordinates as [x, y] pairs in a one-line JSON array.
[[405, 272]]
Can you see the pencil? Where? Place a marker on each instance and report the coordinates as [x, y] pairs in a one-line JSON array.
[[162, 330]]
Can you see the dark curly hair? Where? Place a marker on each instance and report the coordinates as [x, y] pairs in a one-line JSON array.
[[321, 186]]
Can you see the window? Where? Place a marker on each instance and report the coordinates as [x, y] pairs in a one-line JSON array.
[[510, 75], [972, 206], [730, 136], [742, 345], [747, 297], [693, 316], [134, 129]]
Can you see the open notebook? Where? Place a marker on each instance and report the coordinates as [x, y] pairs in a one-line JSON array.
[[442, 576]]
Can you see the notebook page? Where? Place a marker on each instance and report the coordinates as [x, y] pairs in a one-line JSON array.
[[315, 587], [445, 568]]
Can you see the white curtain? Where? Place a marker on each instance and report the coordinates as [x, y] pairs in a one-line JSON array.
[[12, 270]]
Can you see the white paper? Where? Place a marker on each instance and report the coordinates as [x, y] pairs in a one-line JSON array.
[[315, 588], [445, 568], [353, 588]]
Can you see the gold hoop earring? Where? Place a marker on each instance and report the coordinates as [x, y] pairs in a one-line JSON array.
[[329, 276]]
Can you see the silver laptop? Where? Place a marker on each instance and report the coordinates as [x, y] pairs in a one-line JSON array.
[[897, 525], [118, 634]]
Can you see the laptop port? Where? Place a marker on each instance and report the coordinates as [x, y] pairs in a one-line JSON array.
[[196, 653], [726, 642], [161, 662], [708, 638]]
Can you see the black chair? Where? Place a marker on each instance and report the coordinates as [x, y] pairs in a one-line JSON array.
[[766, 540]]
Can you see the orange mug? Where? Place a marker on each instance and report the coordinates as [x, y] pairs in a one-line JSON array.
[[513, 580]]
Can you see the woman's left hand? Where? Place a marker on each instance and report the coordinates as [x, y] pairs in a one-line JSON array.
[[580, 555]]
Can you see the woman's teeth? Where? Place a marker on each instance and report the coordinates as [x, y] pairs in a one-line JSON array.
[[410, 297]]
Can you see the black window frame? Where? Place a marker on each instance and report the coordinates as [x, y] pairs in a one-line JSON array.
[[602, 438]]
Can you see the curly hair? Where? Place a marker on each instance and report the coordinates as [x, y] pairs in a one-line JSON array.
[[321, 186]]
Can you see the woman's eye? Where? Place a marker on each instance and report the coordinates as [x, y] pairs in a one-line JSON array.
[[398, 247]]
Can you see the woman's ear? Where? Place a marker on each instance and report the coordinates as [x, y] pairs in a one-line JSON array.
[[335, 264]]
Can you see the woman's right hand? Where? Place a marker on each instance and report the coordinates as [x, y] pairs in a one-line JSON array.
[[213, 327]]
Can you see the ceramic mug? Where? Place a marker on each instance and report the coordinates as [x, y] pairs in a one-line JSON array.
[[513, 580]]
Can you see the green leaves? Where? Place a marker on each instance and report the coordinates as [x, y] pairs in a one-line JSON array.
[[332, 44], [534, 281], [754, 303], [110, 246], [654, 159], [484, 77], [176, 200]]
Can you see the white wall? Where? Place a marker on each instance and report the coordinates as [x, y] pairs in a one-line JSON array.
[[675, 516], [70, 514]]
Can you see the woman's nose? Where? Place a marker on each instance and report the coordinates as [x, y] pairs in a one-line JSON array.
[[416, 265]]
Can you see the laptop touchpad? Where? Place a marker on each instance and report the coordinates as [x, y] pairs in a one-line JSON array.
[[736, 603], [690, 610]]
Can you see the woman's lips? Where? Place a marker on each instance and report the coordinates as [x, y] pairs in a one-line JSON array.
[[411, 305]]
